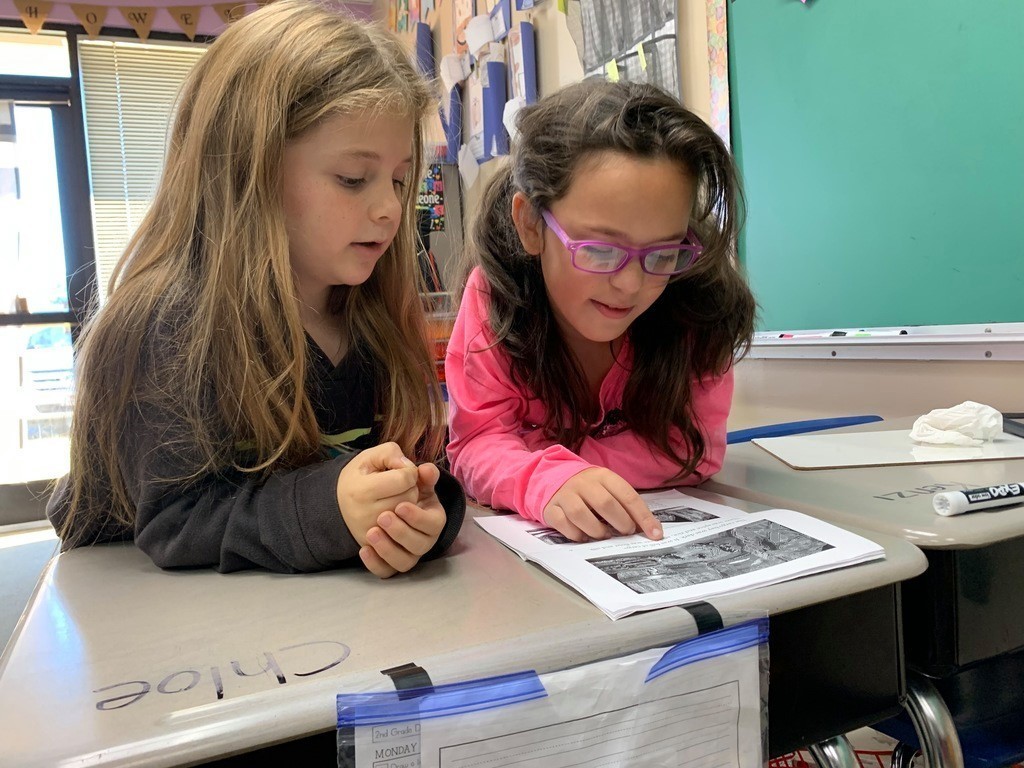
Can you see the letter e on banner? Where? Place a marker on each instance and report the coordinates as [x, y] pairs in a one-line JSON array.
[[229, 12], [187, 17]]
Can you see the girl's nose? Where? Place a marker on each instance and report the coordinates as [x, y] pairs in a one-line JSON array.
[[387, 204], [629, 278]]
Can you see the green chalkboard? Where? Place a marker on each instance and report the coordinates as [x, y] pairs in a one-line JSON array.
[[881, 144]]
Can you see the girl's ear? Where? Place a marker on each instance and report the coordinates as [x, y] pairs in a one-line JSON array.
[[529, 224]]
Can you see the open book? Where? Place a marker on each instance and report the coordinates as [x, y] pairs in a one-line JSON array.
[[708, 550]]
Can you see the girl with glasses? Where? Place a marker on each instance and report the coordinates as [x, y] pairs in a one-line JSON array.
[[593, 350]]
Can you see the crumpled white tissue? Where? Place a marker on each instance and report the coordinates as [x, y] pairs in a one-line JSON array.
[[969, 423]]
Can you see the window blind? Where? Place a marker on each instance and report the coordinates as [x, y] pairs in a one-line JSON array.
[[129, 90]]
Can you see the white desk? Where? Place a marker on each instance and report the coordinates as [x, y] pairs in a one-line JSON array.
[[116, 661], [896, 500], [963, 618]]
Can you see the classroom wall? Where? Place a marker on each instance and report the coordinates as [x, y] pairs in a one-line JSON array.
[[695, 78], [558, 64], [778, 390], [770, 391]]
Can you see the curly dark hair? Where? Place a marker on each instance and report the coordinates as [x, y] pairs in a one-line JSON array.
[[709, 308]]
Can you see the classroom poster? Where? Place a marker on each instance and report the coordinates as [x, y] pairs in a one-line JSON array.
[[475, 87], [430, 199], [462, 12], [517, 67], [522, 67], [718, 61], [403, 15]]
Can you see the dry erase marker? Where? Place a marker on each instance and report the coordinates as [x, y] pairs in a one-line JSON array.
[[958, 502]]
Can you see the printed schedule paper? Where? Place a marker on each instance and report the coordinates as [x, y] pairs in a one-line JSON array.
[[618, 712], [708, 550]]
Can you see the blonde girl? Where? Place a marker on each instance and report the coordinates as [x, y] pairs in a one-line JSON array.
[[257, 390]]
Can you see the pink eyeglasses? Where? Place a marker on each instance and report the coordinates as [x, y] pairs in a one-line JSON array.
[[599, 257]]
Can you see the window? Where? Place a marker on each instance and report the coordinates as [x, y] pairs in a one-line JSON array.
[[42, 172], [31, 225], [44, 54], [129, 92], [50, 85]]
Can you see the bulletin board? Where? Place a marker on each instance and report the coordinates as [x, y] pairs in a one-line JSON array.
[[882, 153]]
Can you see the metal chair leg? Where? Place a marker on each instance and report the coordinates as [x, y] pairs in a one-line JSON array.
[[836, 752], [933, 724], [903, 756]]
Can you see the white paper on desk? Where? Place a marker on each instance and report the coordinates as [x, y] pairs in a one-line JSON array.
[[601, 715], [694, 561]]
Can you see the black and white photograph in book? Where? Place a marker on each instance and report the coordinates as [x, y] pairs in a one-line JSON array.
[[734, 552], [670, 515]]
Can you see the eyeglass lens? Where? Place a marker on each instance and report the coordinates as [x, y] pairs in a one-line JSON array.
[[606, 258]]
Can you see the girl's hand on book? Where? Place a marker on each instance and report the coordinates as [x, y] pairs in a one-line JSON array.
[[400, 538], [373, 482], [596, 504]]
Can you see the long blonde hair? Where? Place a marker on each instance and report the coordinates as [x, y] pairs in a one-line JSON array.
[[202, 320]]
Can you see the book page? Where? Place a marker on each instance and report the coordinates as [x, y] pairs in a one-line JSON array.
[[694, 561]]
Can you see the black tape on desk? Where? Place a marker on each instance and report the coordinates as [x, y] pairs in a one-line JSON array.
[[706, 615], [408, 676]]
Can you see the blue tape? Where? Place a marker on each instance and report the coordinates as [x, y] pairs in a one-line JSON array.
[[386, 707], [710, 646]]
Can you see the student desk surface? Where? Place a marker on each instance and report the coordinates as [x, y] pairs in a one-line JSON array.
[[896, 499], [968, 608], [120, 663]]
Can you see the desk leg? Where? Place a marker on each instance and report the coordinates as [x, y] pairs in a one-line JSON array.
[[933, 723], [836, 752], [903, 756]]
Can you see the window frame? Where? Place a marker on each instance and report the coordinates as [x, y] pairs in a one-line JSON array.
[[72, 169]]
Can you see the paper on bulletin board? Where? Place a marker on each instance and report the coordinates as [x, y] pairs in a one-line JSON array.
[[501, 19], [454, 69], [509, 115], [522, 61], [475, 88], [462, 12], [478, 33], [469, 168]]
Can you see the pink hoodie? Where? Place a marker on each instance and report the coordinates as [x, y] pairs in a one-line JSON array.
[[500, 454]]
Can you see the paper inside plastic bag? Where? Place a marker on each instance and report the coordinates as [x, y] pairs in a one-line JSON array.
[[969, 423]]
